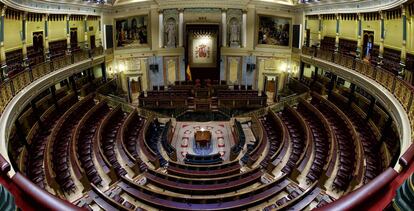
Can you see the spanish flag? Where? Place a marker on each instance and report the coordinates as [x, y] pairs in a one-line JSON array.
[[188, 73]]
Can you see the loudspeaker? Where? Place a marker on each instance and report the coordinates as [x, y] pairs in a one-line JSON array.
[[109, 37], [251, 67], [297, 38], [154, 67]]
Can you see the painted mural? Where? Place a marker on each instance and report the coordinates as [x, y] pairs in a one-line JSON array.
[[132, 31], [273, 30]]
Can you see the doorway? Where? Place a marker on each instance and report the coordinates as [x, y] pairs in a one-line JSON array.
[[38, 42], [368, 44], [92, 40], [73, 38], [307, 41]]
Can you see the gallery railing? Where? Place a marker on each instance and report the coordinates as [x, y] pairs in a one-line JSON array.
[[13, 85], [403, 92], [8, 89]]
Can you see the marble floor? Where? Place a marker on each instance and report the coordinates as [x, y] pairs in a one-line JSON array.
[[222, 139]]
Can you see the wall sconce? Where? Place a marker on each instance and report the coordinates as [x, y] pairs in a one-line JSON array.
[[283, 67], [121, 68]]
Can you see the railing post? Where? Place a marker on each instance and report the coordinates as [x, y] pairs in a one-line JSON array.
[[30, 74], [351, 94], [410, 101], [371, 108], [12, 87], [353, 64], [394, 81]]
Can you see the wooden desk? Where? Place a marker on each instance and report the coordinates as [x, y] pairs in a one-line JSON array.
[[202, 138]]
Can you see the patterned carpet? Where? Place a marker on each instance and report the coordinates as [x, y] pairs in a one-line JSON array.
[[221, 139]]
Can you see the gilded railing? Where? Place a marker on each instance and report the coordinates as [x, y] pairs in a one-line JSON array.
[[400, 88], [13, 85], [403, 92]]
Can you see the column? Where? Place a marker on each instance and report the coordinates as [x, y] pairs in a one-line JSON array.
[[23, 36], [315, 76], [3, 72], [68, 51], [73, 84], [224, 26], [301, 70], [338, 16], [160, 29], [251, 27], [21, 136], [404, 42], [180, 27], [244, 29], [103, 69], [35, 111], [264, 84], [53, 92], [89, 73], [47, 53], [85, 28], [276, 89], [351, 94], [319, 31], [382, 29], [371, 108], [331, 84], [305, 36], [359, 37], [100, 33], [129, 92], [385, 131]]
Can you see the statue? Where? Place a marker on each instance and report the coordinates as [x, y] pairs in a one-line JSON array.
[[170, 31], [234, 33]]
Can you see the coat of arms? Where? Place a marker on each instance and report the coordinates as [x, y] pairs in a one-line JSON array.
[[202, 51]]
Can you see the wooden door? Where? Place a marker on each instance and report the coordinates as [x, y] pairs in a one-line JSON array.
[[92, 40]]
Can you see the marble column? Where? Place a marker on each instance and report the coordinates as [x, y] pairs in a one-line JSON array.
[[160, 29], [244, 29], [68, 50], [85, 28], [404, 42], [337, 16], [180, 27], [224, 27], [2, 49], [47, 53], [301, 70], [103, 70], [305, 36], [359, 36], [100, 43], [382, 33], [319, 30], [23, 36]]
